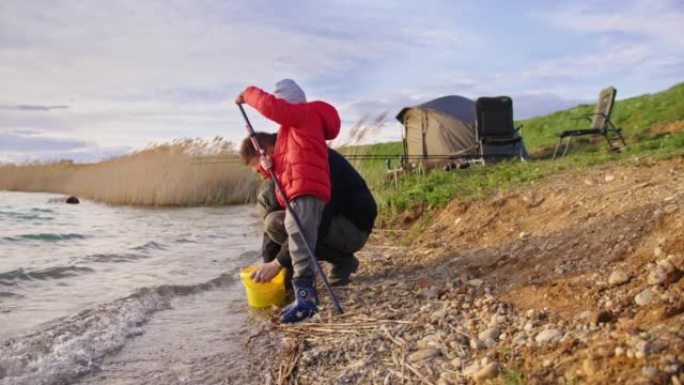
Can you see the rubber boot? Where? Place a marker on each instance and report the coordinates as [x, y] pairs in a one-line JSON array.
[[306, 301], [342, 269]]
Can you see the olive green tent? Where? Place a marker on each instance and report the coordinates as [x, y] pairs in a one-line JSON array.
[[443, 129]]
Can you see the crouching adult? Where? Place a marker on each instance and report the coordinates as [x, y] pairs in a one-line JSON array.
[[346, 223]]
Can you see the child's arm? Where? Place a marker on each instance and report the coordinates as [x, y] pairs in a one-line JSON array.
[[275, 109]]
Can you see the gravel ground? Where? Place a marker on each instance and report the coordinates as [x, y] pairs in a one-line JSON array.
[[573, 280]]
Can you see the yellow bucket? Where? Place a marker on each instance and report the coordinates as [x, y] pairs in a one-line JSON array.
[[264, 294]]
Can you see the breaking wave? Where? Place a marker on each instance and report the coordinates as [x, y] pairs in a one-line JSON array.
[[11, 278], [45, 237], [69, 347]]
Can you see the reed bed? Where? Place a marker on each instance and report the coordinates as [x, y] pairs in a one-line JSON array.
[[182, 173]]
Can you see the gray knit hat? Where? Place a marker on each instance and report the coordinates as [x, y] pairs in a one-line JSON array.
[[288, 90]]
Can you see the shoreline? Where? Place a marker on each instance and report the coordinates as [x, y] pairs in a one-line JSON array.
[[574, 279]]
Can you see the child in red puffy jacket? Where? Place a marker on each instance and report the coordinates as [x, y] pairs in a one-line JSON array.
[[300, 162]]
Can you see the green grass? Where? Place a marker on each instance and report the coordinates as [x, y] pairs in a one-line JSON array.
[[513, 377], [634, 115], [436, 188], [415, 193]]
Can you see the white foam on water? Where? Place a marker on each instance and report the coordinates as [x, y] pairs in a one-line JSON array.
[[72, 346]]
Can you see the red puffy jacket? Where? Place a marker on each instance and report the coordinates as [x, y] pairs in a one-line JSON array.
[[300, 158]]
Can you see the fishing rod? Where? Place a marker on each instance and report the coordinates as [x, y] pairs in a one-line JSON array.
[[279, 187]]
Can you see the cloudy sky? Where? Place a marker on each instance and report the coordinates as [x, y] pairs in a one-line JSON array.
[[91, 79]]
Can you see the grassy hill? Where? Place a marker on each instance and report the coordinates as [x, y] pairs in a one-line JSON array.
[[653, 125], [634, 115]]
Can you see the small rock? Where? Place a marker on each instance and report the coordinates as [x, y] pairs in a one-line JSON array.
[[558, 270], [497, 319], [424, 342], [657, 276], [438, 315], [472, 369], [548, 335], [430, 293], [569, 344], [671, 208], [489, 342], [619, 352], [649, 371], [523, 234], [644, 298], [456, 362], [676, 261], [490, 333], [489, 371], [617, 277], [590, 366], [519, 338], [424, 282], [658, 251], [423, 355], [609, 178], [584, 315], [446, 378], [476, 282], [599, 317], [476, 344], [642, 349], [666, 264]]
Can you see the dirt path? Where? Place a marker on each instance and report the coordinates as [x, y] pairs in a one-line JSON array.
[[576, 279]]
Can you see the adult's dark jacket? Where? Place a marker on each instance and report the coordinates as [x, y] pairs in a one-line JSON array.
[[350, 197]]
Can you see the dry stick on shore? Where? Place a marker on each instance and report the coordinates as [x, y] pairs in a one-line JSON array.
[[397, 340], [403, 363], [349, 327], [399, 374], [390, 247], [286, 368], [419, 374]]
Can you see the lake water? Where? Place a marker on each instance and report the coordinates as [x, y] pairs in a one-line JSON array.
[[99, 294]]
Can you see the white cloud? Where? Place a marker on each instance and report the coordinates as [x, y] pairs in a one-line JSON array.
[[129, 69], [657, 19], [589, 65], [633, 39], [134, 72]]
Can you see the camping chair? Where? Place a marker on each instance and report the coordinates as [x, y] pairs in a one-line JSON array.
[[495, 125], [600, 124]]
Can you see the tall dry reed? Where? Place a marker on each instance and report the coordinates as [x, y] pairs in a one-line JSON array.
[[184, 172], [363, 130]]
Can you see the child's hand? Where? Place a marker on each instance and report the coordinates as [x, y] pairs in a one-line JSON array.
[[239, 99], [265, 162]]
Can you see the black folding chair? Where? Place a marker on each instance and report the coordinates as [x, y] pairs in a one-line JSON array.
[[600, 124], [495, 126]]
